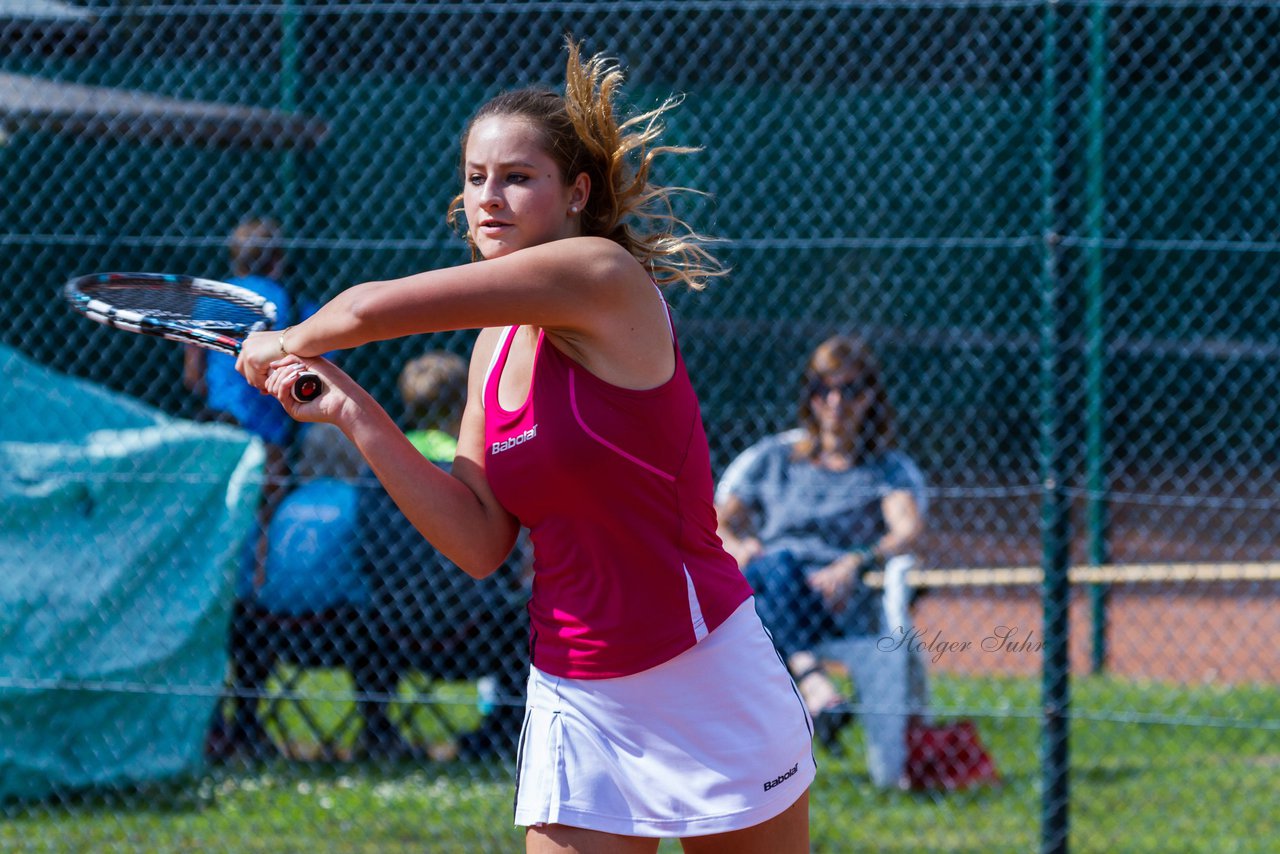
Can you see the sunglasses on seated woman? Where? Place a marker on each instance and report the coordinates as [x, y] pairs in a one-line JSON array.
[[849, 389]]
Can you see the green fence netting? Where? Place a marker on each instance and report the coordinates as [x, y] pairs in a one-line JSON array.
[[1054, 223]]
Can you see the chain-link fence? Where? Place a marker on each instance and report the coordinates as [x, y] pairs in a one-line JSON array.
[[1055, 224]]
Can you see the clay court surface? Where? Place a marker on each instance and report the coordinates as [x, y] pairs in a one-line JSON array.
[[1191, 635], [1186, 632]]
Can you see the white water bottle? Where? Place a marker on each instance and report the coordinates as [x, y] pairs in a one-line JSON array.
[[486, 694]]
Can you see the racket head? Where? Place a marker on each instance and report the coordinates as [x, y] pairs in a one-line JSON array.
[[204, 312]]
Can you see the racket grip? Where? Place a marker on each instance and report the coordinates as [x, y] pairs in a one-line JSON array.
[[307, 387]]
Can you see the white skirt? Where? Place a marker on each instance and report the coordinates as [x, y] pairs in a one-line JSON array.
[[717, 739]]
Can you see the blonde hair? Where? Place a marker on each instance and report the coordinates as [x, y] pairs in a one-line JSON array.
[[581, 133], [433, 388]]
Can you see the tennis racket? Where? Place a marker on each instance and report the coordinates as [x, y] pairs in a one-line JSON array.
[[214, 315]]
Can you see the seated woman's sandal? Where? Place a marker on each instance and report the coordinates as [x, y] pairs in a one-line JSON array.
[[834, 714]]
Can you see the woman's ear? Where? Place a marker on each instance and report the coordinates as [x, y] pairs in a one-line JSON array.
[[579, 192]]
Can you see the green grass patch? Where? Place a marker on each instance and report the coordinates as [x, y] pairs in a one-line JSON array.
[[1153, 768]]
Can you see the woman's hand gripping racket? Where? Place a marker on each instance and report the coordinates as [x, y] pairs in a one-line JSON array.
[[214, 315]]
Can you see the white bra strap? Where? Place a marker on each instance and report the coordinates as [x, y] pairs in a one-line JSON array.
[[666, 309], [507, 332]]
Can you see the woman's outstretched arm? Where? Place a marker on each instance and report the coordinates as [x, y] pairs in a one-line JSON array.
[[587, 292]]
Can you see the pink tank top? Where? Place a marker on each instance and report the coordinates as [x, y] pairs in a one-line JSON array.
[[615, 488]]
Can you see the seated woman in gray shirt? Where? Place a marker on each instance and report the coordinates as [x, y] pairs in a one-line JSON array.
[[806, 511]]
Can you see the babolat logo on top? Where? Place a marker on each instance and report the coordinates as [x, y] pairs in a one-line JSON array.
[[508, 444]]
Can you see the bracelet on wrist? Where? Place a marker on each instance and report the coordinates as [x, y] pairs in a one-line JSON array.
[[284, 351], [866, 555]]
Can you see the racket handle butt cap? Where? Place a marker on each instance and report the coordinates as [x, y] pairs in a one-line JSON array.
[[307, 387]]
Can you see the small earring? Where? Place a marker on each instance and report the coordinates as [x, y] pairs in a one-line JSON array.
[[573, 209]]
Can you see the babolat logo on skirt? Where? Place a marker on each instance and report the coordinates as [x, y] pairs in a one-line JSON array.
[[508, 444], [778, 781]]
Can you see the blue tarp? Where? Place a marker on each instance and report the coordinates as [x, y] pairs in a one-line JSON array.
[[120, 530]]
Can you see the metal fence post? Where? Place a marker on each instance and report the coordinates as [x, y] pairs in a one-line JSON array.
[[1055, 531], [1096, 457]]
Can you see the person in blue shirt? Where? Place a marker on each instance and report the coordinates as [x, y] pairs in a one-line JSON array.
[[257, 262]]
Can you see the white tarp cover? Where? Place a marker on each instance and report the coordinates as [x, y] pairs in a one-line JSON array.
[[120, 528]]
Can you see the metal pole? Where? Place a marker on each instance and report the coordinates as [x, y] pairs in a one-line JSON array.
[[1098, 506], [1055, 524]]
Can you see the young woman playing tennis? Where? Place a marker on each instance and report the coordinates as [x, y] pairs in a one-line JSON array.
[[657, 706]]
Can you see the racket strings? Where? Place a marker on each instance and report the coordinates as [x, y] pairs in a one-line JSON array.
[[214, 315], [222, 313]]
